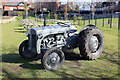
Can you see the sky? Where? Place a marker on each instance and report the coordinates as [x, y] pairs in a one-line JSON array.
[[68, 0], [55, 0], [59, 0]]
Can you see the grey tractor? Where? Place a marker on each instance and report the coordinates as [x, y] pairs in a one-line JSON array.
[[53, 41]]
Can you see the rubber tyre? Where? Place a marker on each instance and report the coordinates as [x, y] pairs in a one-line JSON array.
[[24, 51], [45, 59], [84, 41]]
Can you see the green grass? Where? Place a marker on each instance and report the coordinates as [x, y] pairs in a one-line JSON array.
[[10, 38], [13, 66]]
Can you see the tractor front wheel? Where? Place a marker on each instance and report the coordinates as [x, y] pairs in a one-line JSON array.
[[24, 51], [53, 59]]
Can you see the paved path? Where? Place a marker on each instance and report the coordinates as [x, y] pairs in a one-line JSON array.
[[7, 20]]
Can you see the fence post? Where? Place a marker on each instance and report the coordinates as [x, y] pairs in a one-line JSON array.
[[95, 21], [118, 30], [78, 21], [89, 19], [111, 21], [103, 23], [108, 21], [83, 20], [118, 21], [44, 20]]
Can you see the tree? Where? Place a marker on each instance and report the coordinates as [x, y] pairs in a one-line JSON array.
[[26, 9]]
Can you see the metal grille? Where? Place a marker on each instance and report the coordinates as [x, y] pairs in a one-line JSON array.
[[33, 41]]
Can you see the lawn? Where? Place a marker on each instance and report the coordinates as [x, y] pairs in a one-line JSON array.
[[13, 66]]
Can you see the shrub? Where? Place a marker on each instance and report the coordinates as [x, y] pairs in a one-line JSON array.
[[20, 13], [19, 17]]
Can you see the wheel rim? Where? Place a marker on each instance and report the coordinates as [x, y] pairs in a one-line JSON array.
[[53, 60], [94, 44]]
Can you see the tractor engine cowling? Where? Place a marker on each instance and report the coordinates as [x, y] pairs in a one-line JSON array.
[[51, 36]]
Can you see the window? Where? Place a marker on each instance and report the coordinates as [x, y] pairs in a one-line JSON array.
[[11, 8], [21, 4]]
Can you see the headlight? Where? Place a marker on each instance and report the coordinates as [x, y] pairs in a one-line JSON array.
[[28, 32], [40, 36], [26, 35]]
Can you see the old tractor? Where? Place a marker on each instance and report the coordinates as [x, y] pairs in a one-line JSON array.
[[53, 41]]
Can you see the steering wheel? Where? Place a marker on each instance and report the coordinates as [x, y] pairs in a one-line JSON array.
[[63, 24]]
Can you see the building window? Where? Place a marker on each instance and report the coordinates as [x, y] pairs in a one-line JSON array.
[[21, 4], [11, 8]]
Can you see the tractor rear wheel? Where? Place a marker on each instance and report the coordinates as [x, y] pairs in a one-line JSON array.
[[91, 42]]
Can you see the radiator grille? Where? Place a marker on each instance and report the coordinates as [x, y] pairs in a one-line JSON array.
[[33, 41]]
